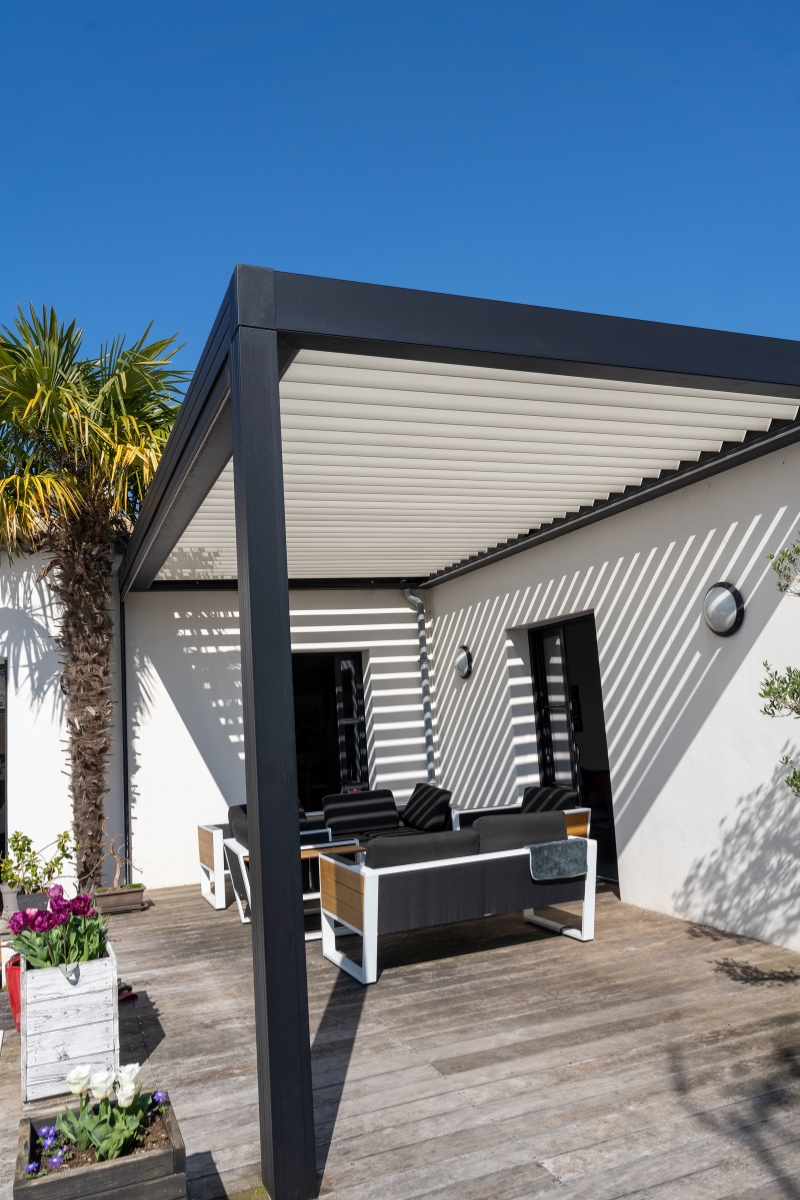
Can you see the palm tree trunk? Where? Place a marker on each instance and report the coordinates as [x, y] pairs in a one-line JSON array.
[[80, 577]]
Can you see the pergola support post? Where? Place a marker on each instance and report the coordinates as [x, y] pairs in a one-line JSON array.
[[279, 964]]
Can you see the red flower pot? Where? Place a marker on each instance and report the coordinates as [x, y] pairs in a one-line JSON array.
[[12, 982]]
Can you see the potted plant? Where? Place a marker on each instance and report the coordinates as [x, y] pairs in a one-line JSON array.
[[25, 873], [127, 1144], [68, 992], [120, 897]]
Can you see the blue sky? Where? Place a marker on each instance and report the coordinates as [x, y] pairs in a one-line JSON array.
[[630, 158]]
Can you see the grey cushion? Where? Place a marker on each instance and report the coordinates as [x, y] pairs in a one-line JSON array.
[[559, 860], [428, 808], [513, 831], [545, 799], [237, 818], [428, 847], [349, 813], [400, 831]]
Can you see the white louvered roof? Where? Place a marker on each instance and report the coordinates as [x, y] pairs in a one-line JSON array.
[[399, 468]]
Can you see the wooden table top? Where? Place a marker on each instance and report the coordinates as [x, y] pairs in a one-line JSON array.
[[332, 848], [315, 851]]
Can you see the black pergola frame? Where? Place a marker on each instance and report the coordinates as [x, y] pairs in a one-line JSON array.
[[232, 409]]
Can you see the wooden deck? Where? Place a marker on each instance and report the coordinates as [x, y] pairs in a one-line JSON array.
[[491, 1060]]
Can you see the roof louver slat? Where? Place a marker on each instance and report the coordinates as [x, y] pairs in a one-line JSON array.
[[396, 467]]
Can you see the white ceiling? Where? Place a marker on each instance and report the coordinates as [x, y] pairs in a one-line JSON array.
[[395, 468]]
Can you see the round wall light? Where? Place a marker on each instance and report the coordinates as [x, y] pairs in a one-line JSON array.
[[723, 609], [462, 661]]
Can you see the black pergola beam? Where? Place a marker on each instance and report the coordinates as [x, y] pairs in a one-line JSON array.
[[286, 1109], [402, 322]]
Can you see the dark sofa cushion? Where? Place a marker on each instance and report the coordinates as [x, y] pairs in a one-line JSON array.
[[400, 831], [349, 813], [512, 832], [237, 819], [547, 799], [428, 847], [428, 809]]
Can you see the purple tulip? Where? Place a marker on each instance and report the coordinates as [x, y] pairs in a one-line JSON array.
[[40, 920], [56, 892], [81, 906], [17, 923], [61, 911]]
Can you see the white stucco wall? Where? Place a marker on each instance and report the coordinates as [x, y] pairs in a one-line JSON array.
[[706, 829], [186, 754], [38, 802], [185, 751]]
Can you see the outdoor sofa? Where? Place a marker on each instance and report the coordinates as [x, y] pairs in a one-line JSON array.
[[535, 798], [504, 863]]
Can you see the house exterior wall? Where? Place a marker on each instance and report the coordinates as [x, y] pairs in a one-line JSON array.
[[186, 752], [37, 783], [706, 828]]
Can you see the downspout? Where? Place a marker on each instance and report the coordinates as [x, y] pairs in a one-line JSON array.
[[427, 714]]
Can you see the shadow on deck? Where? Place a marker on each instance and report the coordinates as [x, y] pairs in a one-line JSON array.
[[491, 1059]]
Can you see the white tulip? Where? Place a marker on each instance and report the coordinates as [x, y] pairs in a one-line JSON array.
[[128, 1076], [102, 1083], [78, 1080], [126, 1094]]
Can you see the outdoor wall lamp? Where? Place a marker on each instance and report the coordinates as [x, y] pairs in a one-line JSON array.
[[462, 662], [723, 609]]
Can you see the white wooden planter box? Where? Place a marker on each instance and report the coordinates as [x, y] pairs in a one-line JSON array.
[[66, 1021]]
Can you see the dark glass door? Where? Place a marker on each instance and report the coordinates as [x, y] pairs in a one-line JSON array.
[[557, 751], [353, 766], [570, 725]]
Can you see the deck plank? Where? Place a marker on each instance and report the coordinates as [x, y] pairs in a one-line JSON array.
[[491, 1060]]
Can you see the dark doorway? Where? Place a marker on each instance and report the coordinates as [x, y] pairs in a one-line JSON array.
[[570, 724], [352, 727], [330, 731]]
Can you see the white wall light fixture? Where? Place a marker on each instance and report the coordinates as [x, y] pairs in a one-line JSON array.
[[462, 661], [723, 609]]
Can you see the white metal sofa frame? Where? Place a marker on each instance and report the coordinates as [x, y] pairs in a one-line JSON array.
[[351, 893], [213, 872]]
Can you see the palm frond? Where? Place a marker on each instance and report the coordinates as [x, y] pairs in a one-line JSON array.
[[29, 503], [99, 425]]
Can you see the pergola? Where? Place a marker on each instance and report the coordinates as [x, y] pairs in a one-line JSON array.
[[345, 434]]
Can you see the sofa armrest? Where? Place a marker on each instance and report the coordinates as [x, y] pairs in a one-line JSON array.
[[579, 821], [320, 836]]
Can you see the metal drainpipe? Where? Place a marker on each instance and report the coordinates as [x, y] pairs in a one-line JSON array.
[[426, 683]]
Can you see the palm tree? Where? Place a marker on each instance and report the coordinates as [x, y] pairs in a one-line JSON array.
[[80, 439]]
